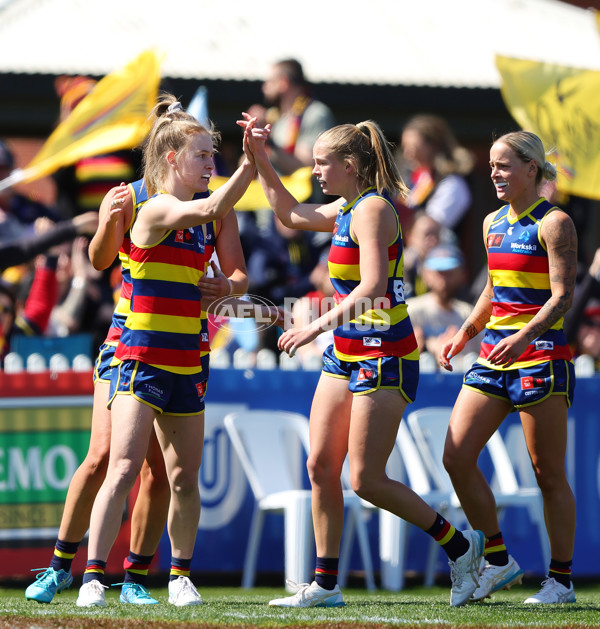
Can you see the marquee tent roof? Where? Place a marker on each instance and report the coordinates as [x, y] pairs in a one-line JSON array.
[[437, 43]]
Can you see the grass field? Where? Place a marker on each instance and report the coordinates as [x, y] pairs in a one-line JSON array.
[[234, 607]]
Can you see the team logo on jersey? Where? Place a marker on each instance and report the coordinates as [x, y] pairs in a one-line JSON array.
[[495, 240], [524, 236], [365, 374], [544, 345], [532, 382], [371, 341], [184, 236]]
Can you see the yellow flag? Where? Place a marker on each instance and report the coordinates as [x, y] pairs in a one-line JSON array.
[[562, 106], [113, 116], [298, 185]]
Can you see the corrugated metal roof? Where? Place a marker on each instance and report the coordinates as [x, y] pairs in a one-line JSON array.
[[422, 42]]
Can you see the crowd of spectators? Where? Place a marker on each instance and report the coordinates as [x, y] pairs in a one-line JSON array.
[[49, 288]]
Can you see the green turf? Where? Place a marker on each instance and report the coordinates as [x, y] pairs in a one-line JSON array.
[[414, 606]]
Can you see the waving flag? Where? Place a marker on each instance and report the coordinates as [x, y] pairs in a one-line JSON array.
[[113, 116], [298, 184], [561, 105], [198, 106]]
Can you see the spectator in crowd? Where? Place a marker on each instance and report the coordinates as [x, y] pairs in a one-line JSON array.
[[295, 116], [18, 212], [424, 235], [438, 314], [438, 168], [47, 235], [587, 339], [76, 279], [32, 317], [582, 322], [82, 186]]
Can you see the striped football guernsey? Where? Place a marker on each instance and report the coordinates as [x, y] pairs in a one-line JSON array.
[[378, 331], [163, 328], [518, 265], [123, 308]]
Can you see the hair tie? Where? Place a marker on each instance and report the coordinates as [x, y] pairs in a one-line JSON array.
[[176, 106]]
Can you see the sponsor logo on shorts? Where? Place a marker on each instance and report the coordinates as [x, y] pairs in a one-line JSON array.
[[541, 345], [153, 390], [532, 382], [328, 361], [201, 388], [495, 240], [371, 341], [365, 374], [475, 377]]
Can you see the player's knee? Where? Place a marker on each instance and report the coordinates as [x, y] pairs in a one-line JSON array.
[[96, 462], [318, 469], [183, 482], [550, 480]]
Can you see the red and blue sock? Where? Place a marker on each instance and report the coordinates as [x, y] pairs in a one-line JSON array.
[[179, 568], [451, 540], [326, 572], [94, 571], [561, 571], [136, 568], [495, 550]]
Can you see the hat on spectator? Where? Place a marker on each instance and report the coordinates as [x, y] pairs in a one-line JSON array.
[[6, 157], [444, 258]]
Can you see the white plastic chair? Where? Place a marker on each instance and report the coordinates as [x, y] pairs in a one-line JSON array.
[[406, 466], [272, 447], [429, 426]]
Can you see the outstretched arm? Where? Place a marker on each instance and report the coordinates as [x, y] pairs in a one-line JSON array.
[[307, 216]]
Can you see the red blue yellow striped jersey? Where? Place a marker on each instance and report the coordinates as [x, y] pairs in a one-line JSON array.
[[123, 308], [379, 331], [518, 266], [164, 326]]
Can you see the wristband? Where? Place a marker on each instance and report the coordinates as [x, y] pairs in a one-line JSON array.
[[230, 286]]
